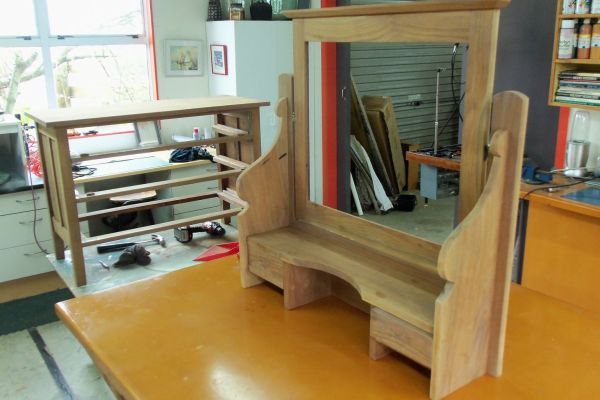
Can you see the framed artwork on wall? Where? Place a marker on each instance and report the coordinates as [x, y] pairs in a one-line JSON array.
[[218, 59], [183, 57]]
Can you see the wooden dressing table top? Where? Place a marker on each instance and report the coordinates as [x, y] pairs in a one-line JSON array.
[[196, 334]]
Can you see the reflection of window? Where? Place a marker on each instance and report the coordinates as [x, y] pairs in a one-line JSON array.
[[79, 53]]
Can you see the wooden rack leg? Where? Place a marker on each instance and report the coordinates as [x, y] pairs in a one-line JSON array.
[[304, 285]]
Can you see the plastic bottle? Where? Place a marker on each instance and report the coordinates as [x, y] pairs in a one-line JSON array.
[[565, 42], [595, 53], [196, 134], [584, 42], [595, 9], [582, 7], [569, 7]]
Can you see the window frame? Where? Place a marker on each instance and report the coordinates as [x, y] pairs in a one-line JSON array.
[[46, 41]]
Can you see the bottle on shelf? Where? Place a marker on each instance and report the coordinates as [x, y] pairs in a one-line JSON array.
[[569, 7], [582, 7], [196, 134], [584, 41], [595, 9], [595, 51], [566, 39]]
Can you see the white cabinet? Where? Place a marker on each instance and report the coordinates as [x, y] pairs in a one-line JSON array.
[[19, 255], [257, 53]]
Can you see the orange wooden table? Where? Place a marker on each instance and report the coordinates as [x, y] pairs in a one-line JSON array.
[[196, 334], [562, 247]]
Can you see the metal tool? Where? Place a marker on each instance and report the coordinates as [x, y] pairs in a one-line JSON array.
[[106, 248], [185, 234]]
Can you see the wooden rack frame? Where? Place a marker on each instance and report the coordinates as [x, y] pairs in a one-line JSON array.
[[238, 146], [443, 306]]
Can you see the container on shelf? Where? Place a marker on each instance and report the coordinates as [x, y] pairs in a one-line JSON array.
[[595, 9], [584, 41], [595, 53], [236, 12], [568, 7], [261, 10], [582, 7], [566, 38]]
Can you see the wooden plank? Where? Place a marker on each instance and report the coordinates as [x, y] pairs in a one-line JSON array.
[[228, 130], [231, 198], [105, 194], [396, 334], [92, 241], [66, 190], [169, 167], [477, 109], [301, 140], [143, 111], [303, 286], [373, 150], [439, 162], [230, 162], [143, 150], [510, 111], [451, 27], [273, 172], [405, 8], [146, 205]]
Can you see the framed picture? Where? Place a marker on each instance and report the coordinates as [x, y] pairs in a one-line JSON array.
[[183, 57], [218, 59]]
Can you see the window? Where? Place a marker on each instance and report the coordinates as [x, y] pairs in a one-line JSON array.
[[71, 53]]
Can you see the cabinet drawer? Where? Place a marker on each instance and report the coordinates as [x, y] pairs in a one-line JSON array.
[[22, 261], [22, 201], [17, 229], [193, 171]]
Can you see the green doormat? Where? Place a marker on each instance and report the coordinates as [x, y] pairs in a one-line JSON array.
[[32, 311]]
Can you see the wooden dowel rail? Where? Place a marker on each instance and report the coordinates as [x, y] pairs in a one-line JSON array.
[[228, 130], [153, 149], [230, 162], [92, 241], [105, 194], [147, 205]]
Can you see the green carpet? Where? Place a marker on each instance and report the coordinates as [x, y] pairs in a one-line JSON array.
[[32, 311]]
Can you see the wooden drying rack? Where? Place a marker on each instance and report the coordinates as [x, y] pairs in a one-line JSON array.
[[237, 123], [443, 306]]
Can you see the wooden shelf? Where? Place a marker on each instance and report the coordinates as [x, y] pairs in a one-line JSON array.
[[586, 61], [561, 65], [578, 16]]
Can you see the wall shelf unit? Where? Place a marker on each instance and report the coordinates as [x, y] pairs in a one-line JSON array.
[[561, 65]]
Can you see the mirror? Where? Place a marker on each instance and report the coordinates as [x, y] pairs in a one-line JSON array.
[[377, 155]]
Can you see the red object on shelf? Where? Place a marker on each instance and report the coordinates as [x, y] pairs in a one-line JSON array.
[[219, 251]]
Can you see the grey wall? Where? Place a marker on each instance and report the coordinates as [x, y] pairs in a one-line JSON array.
[[523, 63]]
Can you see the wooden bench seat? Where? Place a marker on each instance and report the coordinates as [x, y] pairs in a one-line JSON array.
[[405, 288]]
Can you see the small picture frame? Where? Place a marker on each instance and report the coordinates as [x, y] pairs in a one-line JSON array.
[[218, 59], [183, 57]]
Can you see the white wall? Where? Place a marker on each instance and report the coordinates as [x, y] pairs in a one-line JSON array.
[[180, 19]]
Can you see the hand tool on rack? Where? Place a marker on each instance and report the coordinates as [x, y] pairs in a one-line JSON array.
[[185, 234], [106, 248]]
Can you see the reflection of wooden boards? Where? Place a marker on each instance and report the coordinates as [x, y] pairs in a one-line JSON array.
[[383, 123], [372, 147]]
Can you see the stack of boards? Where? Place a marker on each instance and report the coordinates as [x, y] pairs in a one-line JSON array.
[[378, 169]]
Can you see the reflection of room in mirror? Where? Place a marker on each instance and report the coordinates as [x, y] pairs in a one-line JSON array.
[[397, 144]]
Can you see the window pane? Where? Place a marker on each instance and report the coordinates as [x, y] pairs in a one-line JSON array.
[[93, 17], [22, 84], [97, 75], [20, 21]]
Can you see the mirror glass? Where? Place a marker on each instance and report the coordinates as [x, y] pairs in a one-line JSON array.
[[377, 155]]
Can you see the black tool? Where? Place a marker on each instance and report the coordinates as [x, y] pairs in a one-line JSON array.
[[185, 234], [107, 248]]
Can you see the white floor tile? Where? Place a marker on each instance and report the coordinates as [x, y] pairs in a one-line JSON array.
[[75, 364], [23, 373]]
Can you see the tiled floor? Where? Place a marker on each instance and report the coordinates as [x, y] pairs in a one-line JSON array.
[[25, 376]]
